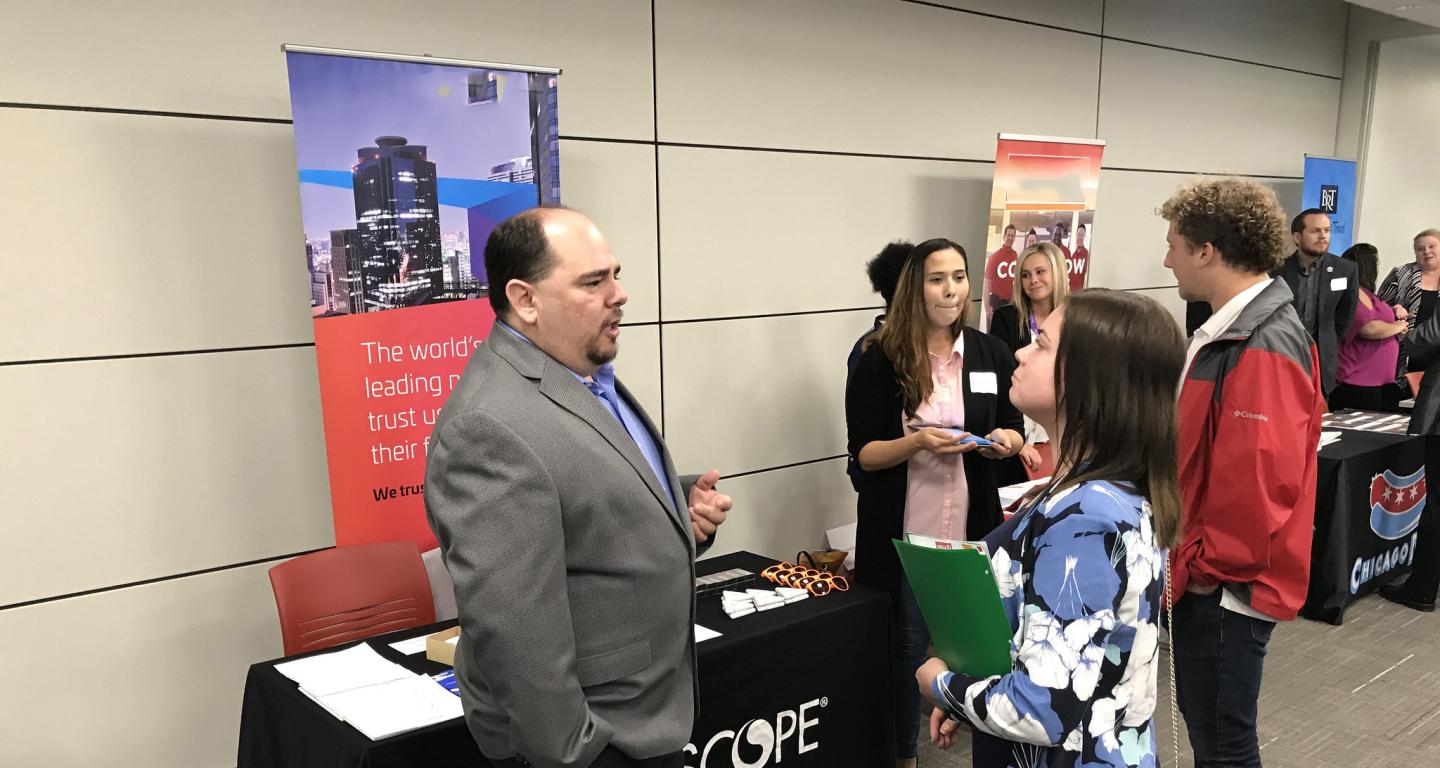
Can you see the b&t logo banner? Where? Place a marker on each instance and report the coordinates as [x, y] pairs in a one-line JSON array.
[[1330, 186], [1329, 198]]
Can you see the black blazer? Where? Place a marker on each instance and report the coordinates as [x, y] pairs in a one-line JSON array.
[[874, 411], [1005, 326], [1422, 344], [1335, 310]]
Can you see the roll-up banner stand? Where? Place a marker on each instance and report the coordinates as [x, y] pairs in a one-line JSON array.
[[406, 164], [1330, 186], [1045, 189]]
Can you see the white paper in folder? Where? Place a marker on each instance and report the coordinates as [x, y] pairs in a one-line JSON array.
[[843, 538]]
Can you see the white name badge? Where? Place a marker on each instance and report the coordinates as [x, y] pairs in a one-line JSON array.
[[1339, 283], [984, 381]]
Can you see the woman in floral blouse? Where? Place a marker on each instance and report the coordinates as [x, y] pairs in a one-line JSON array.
[[1081, 570]]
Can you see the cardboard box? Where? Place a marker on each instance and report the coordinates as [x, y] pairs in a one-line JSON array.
[[440, 647]]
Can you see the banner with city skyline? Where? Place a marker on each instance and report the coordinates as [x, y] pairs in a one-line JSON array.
[[405, 167], [1045, 189]]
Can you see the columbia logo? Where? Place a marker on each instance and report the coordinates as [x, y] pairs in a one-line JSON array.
[[1248, 415]]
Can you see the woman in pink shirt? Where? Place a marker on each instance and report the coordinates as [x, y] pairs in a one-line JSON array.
[[1371, 346], [924, 384]]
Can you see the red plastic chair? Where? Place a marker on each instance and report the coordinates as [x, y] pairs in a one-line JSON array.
[[1047, 462], [350, 593]]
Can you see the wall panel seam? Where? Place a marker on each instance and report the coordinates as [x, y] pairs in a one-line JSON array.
[[765, 315], [807, 462], [659, 240], [145, 112], [924, 158], [1102, 36], [146, 355], [158, 579]]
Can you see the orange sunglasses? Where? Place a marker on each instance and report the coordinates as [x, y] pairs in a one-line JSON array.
[[813, 580]]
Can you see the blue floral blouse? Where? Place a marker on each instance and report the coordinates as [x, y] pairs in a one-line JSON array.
[[1081, 579]]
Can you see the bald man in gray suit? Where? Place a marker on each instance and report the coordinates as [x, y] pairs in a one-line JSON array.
[[569, 536]]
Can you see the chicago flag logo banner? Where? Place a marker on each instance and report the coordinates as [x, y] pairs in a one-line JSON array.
[[406, 164], [1396, 503]]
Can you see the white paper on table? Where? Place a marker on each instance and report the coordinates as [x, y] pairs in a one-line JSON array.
[[319, 700], [385, 709], [843, 538], [355, 667], [410, 647], [453, 640], [704, 633]]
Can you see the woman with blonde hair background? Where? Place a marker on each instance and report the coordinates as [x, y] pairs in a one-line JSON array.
[[1412, 289], [1422, 345], [1041, 284]]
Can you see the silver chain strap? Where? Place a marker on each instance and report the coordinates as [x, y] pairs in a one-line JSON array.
[[1170, 649]]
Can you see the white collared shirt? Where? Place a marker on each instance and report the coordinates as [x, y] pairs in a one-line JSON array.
[[1219, 323], [1213, 328]]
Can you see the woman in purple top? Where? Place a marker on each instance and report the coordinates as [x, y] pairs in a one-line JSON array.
[[1371, 346]]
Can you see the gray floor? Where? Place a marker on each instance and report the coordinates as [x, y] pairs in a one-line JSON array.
[[1362, 695]]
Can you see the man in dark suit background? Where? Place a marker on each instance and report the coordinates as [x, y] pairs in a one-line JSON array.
[[1325, 288], [569, 536]]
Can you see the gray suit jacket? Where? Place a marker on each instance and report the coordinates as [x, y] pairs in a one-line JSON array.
[[573, 567]]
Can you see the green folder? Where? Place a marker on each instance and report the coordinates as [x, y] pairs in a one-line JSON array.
[[958, 595]]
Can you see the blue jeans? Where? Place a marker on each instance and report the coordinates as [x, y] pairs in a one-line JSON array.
[[1219, 657], [912, 640]]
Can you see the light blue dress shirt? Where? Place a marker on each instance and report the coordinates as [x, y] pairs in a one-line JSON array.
[[602, 385]]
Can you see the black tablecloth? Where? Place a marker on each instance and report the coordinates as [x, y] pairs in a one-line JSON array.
[[1354, 552], [808, 681]]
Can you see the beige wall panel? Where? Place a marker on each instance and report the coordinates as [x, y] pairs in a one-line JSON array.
[[638, 366], [1081, 16], [1156, 113], [124, 470], [782, 512], [614, 184], [1400, 195], [150, 675], [1129, 239], [737, 241], [742, 395], [1168, 298], [1306, 35], [863, 76], [224, 58], [166, 234]]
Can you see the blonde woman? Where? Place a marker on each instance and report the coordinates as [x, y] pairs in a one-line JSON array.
[[1041, 285]]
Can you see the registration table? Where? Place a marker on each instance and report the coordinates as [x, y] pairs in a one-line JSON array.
[[806, 683], [1370, 495]]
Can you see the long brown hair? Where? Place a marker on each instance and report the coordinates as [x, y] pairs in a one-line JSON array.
[[1117, 370], [1059, 281], [902, 337]]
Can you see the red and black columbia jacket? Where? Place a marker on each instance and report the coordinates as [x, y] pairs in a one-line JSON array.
[[1250, 411]]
